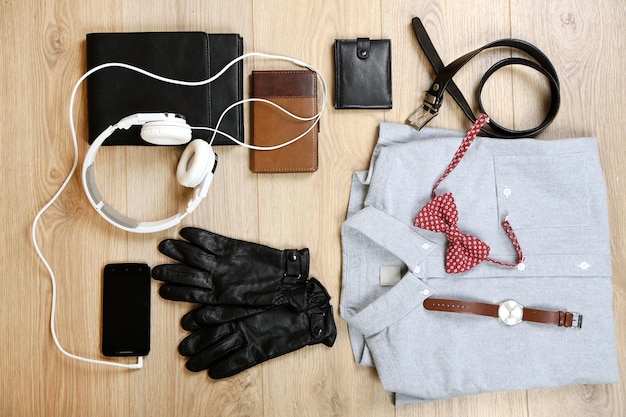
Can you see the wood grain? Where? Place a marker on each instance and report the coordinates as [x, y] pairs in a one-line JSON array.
[[42, 56]]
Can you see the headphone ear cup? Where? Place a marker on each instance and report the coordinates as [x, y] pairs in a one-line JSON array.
[[171, 132], [195, 163]]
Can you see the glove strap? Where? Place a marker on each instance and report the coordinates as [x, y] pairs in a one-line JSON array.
[[322, 325], [293, 266]]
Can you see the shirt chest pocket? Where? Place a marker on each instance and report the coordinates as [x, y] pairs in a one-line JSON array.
[[543, 191]]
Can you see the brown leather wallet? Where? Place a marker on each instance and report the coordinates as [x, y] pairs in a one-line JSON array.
[[296, 92], [510, 312]]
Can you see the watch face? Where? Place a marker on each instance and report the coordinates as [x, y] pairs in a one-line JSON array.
[[511, 312]]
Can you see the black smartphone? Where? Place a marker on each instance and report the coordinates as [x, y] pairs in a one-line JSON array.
[[126, 309]]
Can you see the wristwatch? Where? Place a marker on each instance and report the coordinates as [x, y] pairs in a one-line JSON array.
[[510, 312]]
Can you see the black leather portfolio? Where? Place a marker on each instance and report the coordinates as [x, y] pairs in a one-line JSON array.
[[114, 93]]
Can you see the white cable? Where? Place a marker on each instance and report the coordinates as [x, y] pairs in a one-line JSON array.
[[215, 131], [139, 363], [260, 148], [316, 118]]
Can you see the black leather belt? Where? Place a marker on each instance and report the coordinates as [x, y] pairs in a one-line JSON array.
[[443, 82]]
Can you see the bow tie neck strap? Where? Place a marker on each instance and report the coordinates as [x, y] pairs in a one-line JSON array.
[[470, 136]]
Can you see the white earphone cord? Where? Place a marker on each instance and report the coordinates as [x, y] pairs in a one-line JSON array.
[[215, 131]]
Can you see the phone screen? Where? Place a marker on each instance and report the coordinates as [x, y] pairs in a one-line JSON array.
[[126, 309]]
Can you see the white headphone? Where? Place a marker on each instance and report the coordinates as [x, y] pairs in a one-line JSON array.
[[195, 169]]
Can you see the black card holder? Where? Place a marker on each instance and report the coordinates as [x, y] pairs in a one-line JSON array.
[[114, 93], [363, 73]]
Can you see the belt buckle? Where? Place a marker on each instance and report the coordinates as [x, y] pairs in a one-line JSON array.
[[425, 113], [510, 312], [577, 321]]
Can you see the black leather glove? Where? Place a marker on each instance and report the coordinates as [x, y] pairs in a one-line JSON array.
[[216, 269], [212, 315], [232, 346]]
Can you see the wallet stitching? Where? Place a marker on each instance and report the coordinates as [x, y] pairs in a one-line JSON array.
[[304, 96], [239, 67], [208, 74], [339, 52], [338, 96]]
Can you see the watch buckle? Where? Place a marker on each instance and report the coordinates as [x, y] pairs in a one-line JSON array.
[[577, 321], [425, 113]]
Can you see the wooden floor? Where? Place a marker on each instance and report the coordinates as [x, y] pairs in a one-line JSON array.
[[43, 54]]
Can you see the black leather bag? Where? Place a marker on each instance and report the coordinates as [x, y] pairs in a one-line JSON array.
[[114, 93], [363, 73]]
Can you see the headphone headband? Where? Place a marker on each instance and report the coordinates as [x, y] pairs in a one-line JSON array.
[[114, 217]]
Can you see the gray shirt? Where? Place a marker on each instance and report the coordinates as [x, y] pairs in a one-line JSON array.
[[554, 195]]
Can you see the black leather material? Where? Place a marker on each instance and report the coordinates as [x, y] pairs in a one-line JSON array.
[[363, 73], [214, 314], [114, 93], [215, 269], [443, 81], [227, 345]]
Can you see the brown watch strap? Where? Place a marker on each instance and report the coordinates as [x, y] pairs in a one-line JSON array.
[[457, 306], [558, 318]]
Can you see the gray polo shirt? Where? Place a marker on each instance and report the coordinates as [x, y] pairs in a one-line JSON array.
[[554, 195]]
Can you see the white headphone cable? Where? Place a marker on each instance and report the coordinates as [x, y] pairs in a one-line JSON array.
[[315, 118], [54, 198], [215, 131]]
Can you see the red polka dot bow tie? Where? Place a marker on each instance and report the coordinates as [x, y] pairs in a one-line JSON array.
[[464, 251], [440, 215]]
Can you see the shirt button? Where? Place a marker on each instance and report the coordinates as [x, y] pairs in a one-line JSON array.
[[425, 246], [507, 192], [584, 265], [521, 266], [417, 269], [425, 292]]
